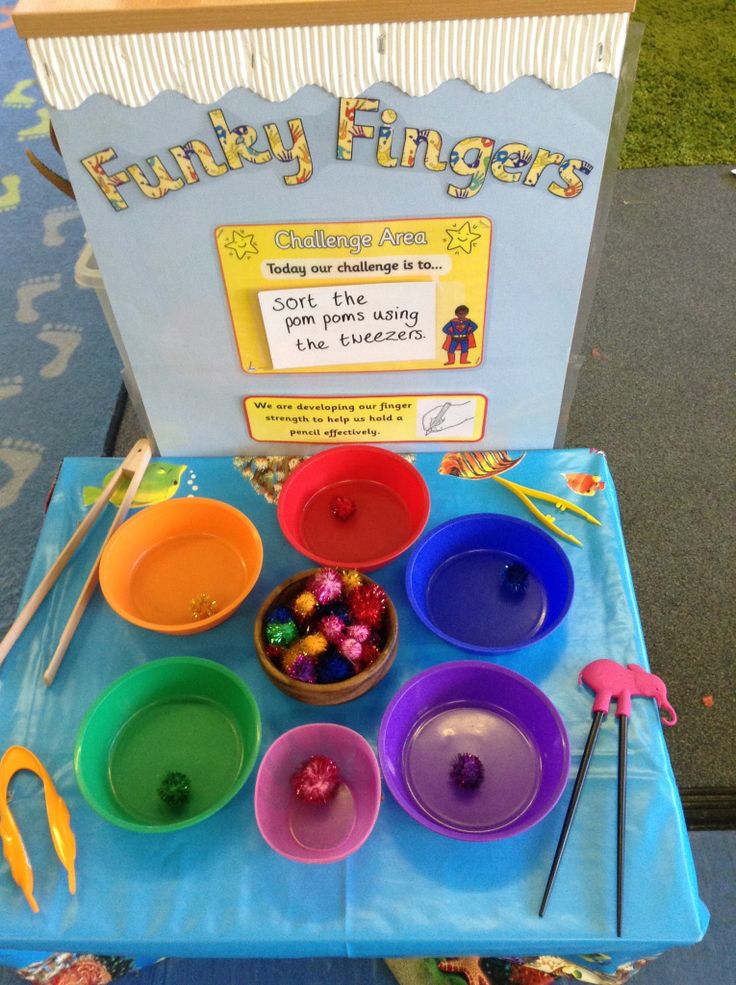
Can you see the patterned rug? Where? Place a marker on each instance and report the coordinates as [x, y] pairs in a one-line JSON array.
[[59, 369]]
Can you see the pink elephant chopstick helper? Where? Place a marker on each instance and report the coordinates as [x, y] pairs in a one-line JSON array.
[[611, 682]]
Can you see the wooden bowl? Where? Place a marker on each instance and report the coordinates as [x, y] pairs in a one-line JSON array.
[[324, 694]]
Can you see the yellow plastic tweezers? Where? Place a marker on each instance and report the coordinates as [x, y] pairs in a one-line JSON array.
[[19, 758], [526, 495]]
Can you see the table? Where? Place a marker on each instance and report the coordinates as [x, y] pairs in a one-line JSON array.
[[217, 890]]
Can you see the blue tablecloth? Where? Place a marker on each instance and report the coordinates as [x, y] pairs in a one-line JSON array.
[[217, 889]]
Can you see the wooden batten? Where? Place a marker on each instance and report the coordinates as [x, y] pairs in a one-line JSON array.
[[78, 18]]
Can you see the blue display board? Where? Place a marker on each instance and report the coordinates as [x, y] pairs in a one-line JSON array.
[[194, 210]]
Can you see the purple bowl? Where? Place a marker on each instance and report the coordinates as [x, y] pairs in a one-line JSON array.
[[474, 751]]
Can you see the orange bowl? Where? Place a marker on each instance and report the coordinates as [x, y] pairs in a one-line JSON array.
[[181, 566]]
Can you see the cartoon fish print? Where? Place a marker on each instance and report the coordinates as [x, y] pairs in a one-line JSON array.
[[160, 482], [583, 483], [477, 464]]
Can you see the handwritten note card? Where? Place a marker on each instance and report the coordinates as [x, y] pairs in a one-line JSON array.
[[340, 325]]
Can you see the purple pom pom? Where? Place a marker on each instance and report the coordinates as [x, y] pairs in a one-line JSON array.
[[303, 669], [467, 771]]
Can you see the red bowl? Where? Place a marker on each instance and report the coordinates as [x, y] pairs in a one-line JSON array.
[[389, 501]]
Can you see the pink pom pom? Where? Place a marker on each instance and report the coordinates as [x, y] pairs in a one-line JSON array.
[[316, 781], [325, 585], [358, 632], [350, 649], [332, 628]]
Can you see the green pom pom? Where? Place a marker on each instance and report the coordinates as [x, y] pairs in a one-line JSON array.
[[175, 789], [282, 633]]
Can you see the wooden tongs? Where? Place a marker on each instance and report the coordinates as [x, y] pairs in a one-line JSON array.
[[132, 470]]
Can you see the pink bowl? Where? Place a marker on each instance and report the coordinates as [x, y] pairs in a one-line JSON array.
[[318, 833]]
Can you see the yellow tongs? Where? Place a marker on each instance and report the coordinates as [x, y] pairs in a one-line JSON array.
[[131, 470], [526, 495], [19, 758]]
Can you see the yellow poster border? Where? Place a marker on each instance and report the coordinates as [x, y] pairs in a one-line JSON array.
[[258, 350]]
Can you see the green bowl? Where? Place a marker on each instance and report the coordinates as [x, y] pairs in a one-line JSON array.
[[167, 744]]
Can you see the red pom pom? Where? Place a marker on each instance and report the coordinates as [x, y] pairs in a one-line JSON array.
[[368, 654], [342, 507], [368, 605], [316, 781], [274, 653]]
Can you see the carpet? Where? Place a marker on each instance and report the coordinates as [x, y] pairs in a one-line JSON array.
[[59, 369], [655, 390]]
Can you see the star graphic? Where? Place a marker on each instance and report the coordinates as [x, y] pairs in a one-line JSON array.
[[242, 244], [463, 238]]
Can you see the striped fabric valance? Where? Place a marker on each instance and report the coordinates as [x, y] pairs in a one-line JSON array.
[[342, 59]]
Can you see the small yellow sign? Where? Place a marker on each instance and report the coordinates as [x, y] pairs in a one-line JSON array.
[[296, 304], [388, 417]]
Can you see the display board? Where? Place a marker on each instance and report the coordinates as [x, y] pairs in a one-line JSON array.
[[352, 232]]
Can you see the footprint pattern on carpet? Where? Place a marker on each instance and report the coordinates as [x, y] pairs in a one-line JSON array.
[[53, 222], [10, 386], [64, 339], [18, 97], [39, 129], [19, 459], [10, 194], [29, 292]]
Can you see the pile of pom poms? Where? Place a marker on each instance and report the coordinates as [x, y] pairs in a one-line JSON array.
[[331, 630]]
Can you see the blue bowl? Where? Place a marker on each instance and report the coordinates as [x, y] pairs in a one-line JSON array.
[[489, 583]]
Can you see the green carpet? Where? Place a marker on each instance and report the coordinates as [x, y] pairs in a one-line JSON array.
[[684, 104]]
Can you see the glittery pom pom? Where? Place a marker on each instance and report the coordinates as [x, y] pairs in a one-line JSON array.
[[316, 781], [332, 627], [342, 507], [325, 585], [175, 789], [303, 669], [304, 605], [333, 667], [281, 633], [350, 649], [340, 610], [291, 655], [467, 771], [351, 580], [358, 632], [280, 614], [274, 653], [368, 604], [515, 578], [314, 644], [368, 653]]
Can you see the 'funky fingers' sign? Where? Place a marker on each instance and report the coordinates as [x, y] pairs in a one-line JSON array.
[[339, 325]]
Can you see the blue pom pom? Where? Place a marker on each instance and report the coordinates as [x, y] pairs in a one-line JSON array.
[[515, 578], [333, 667], [280, 614], [338, 609]]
